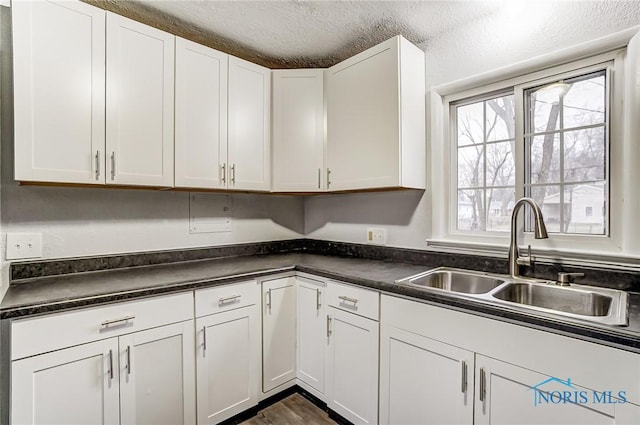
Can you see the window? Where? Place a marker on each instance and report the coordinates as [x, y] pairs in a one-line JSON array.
[[546, 138]]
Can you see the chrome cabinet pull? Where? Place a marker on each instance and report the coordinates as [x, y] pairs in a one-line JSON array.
[[318, 303], [224, 300], [463, 384], [113, 165], [319, 173], [328, 326], [483, 384], [224, 173], [110, 364], [97, 165], [348, 299], [204, 338], [128, 360], [233, 173], [125, 319], [268, 300], [328, 179]]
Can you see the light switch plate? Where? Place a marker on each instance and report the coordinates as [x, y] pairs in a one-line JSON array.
[[377, 235], [24, 245]]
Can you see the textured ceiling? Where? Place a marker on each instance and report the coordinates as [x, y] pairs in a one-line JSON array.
[[319, 33], [299, 33]]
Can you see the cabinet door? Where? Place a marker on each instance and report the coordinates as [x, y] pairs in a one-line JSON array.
[[506, 395], [352, 366], [77, 385], [140, 86], [423, 381], [363, 120], [249, 126], [312, 332], [157, 370], [228, 364], [201, 116], [298, 130], [278, 332], [59, 93]]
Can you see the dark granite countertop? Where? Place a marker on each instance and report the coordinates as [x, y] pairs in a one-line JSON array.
[[50, 294]]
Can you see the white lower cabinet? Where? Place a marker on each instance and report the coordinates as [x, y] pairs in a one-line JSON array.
[[278, 332], [157, 375], [507, 395], [423, 381], [76, 385], [227, 362], [311, 332], [446, 367], [352, 366]]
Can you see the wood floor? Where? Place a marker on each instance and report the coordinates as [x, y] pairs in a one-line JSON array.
[[293, 410]]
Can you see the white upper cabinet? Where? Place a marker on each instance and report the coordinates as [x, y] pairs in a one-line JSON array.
[[248, 166], [59, 88], [298, 130], [140, 101], [376, 118], [201, 116]]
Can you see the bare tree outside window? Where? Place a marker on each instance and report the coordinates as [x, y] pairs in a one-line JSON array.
[[565, 169]]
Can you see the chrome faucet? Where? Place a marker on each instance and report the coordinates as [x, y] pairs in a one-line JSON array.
[[540, 231]]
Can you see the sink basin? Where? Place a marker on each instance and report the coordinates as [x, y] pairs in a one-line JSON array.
[[602, 305], [556, 298], [454, 280]]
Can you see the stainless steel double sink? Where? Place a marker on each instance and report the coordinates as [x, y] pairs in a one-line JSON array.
[[590, 303]]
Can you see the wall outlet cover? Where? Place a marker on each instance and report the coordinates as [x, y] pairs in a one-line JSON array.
[[24, 245], [377, 235]]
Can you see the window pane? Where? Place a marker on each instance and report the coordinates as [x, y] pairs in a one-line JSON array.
[[584, 155], [500, 205], [501, 170], [469, 124], [585, 209], [500, 118], [544, 157], [584, 103], [548, 197], [471, 166], [471, 209], [545, 109]]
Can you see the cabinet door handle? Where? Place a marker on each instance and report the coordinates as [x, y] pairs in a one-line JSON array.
[[328, 326], [224, 173], [125, 319], [204, 338], [483, 384], [268, 300], [113, 165], [233, 173], [318, 303], [463, 384], [128, 360], [224, 300], [97, 165], [328, 178], [319, 177], [111, 365], [348, 299]]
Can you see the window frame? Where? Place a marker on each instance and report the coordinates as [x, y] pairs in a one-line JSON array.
[[491, 241]]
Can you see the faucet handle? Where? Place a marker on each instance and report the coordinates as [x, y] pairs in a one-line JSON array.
[[565, 279], [525, 261]]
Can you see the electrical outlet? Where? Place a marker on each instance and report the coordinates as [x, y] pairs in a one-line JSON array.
[[24, 245], [377, 235]]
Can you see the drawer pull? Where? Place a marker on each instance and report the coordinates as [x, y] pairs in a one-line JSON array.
[[117, 322], [348, 299], [225, 300]]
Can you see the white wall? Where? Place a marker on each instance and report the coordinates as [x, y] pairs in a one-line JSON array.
[[518, 31]]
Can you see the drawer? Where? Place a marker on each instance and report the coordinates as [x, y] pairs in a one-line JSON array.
[[363, 302], [226, 297], [60, 330]]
